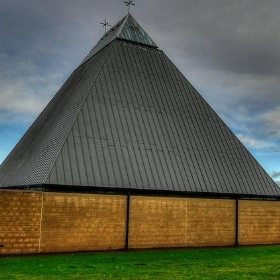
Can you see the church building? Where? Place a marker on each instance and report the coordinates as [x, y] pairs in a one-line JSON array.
[[127, 155]]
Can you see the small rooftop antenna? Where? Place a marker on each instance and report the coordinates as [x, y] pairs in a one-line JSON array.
[[105, 24], [129, 3]]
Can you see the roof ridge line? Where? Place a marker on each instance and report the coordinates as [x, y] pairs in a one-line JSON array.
[[122, 25], [78, 112]]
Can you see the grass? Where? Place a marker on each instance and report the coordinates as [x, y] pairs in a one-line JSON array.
[[262, 262]]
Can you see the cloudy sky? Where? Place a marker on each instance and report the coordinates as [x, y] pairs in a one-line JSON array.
[[228, 49]]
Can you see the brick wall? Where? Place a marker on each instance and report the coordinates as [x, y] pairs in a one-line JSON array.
[[211, 222], [20, 216], [259, 222], [180, 222], [32, 222], [157, 222], [80, 222]]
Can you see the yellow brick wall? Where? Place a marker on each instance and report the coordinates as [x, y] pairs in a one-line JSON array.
[[211, 222], [259, 222], [180, 222], [32, 222], [157, 222], [80, 222], [20, 215]]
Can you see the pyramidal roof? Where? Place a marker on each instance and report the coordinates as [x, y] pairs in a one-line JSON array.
[[127, 29], [127, 119]]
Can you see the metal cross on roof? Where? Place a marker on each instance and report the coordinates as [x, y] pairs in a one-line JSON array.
[[105, 24], [129, 3]]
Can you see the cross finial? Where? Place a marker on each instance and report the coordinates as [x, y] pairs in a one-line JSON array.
[[129, 3], [105, 24]]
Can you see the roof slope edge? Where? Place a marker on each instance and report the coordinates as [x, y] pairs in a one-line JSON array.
[[32, 159]]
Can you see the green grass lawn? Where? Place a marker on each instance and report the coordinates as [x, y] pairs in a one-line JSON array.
[[262, 262]]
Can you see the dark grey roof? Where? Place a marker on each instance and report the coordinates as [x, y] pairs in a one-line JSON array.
[[128, 119]]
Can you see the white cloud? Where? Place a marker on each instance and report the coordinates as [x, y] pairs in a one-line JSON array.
[[252, 143], [26, 95], [25, 89], [272, 120], [275, 174], [18, 97]]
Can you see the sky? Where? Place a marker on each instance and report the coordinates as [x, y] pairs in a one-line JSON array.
[[228, 49]]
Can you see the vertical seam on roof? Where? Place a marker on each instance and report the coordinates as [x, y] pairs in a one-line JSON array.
[[148, 96], [200, 127], [164, 132], [75, 169], [199, 156], [121, 27], [82, 152], [127, 123], [166, 83], [245, 188], [106, 141], [110, 162], [141, 103], [62, 169], [166, 120], [118, 104], [132, 57], [220, 179], [194, 93], [97, 174], [196, 163], [240, 173], [119, 150], [230, 177], [133, 117], [88, 144], [85, 146], [118, 171], [174, 102]]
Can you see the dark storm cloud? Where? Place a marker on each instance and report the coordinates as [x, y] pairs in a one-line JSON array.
[[31, 30], [235, 36], [48, 33], [235, 40], [240, 36]]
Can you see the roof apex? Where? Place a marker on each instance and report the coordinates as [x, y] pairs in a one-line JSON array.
[[126, 29], [132, 31]]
